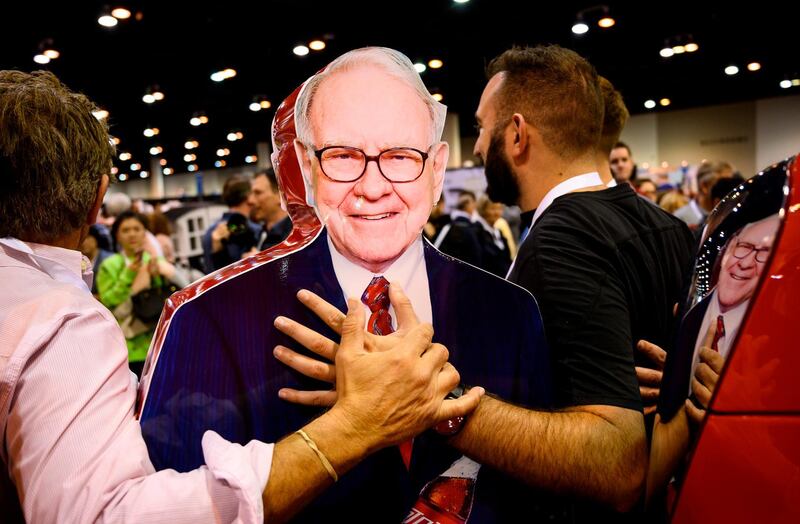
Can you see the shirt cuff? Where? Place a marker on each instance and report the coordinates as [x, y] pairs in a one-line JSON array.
[[245, 469]]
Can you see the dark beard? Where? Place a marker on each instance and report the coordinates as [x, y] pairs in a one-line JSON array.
[[501, 183]]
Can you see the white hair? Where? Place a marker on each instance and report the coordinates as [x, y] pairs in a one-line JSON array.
[[393, 62]]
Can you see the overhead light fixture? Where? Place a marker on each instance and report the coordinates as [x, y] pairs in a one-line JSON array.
[[167, 171], [144, 174], [122, 177], [198, 119], [460, 1], [251, 159], [114, 170], [223, 151], [124, 156], [259, 103], [731, 70], [189, 157], [580, 27], [41, 59], [691, 47], [136, 167], [420, 67], [191, 144], [606, 20], [163, 161], [786, 84], [666, 52], [120, 13], [665, 102], [220, 163], [233, 136], [192, 167], [649, 104], [300, 50], [316, 45], [753, 66], [437, 96], [678, 49], [115, 140], [151, 132], [156, 150], [678, 45], [435, 63], [48, 50], [225, 74], [106, 19]]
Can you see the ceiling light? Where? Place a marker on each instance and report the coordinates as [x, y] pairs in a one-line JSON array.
[[122, 177], [107, 20], [461, 1], [795, 82], [100, 114], [115, 140], [420, 67], [52, 54], [124, 156], [223, 151], [665, 102], [435, 63], [220, 163], [194, 121], [300, 50], [606, 22], [158, 95], [666, 52], [168, 171], [163, 161], [691, 47], [731, 70], [753, 66], [580, 27], [317, 45], [437, 96], [265, 104], [148, 98], [121, 13], [156, 150], [649, 104], [255, 106], [678, 49], [251, 159], [114, 170], [786, 84], [192, 167], [191, 144], [136, 167], [225, 74], [144, 174], [41, 59], [189, 157]]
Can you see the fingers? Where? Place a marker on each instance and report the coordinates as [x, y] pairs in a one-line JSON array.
[[325, 311], [694, 413], [713, 359], [418, 339], [436, 355], [353, 328], [706, 376], [709, 338], [647, 376], [308, 398], [309, 338], [649, 395], [701, 393], [656, 355], [406, 318], [309, 367], [462, 406]]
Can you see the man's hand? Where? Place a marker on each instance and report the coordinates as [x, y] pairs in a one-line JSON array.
[[326, 348], [218, 236], [650, 379], [703, 383], [391, 396]]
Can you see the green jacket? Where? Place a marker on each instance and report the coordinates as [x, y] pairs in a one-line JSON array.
[[114, 280]]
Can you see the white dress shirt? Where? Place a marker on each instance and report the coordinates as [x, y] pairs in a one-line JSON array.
[[73, 448], [409, 271]]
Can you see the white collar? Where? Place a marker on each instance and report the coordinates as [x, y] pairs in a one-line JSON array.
[[62, 265], [409, 271], [457, 213], [567, 186]]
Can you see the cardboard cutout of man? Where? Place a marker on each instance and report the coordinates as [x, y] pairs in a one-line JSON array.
[[368, 143]]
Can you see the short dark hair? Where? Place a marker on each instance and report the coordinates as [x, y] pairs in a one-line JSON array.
[[53, 153], [122, 217], [622, 144], [236, 190], [615, 115], [271, 178], [557, 91]]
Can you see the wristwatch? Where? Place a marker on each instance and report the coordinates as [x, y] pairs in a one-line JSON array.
[[452, 426]]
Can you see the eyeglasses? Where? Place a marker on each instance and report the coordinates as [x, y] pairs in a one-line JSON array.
[[348, 164], [743, 249]]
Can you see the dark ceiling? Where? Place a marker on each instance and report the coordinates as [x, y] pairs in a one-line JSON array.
[[177, 45]]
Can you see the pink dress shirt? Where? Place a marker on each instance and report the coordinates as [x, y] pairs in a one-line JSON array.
[[72, 446]]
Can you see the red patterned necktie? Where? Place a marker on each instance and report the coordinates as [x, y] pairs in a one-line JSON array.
[[718, 334], [376, 298]]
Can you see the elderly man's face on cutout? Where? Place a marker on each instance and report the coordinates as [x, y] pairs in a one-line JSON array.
[[743, 262], [372, 221]]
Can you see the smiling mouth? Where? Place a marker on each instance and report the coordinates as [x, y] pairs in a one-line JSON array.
[[378, 216], [737, 277]]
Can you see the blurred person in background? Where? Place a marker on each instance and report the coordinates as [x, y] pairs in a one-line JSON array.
[[622, 165], [125, 274], [96, 248], [233, 235], [615, 116]]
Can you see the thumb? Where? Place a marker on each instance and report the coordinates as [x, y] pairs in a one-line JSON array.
[[353, 328], [709, 338]]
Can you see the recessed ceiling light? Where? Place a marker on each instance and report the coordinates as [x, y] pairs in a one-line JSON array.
[[649, 104], [121, 13], [691, 47], [107, 21], [41, 59], [731, 70], [753, 66], [300, 50], [665, 102], [580, 28], [606, 22], [666, 52], [317, 45], [435, 63], [420, 67]]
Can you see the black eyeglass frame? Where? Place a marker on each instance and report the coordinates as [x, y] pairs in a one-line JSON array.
[[372, 158]]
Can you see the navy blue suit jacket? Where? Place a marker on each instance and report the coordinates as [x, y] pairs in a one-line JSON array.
[[216, 371]]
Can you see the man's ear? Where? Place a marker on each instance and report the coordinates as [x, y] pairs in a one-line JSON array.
[[102, 187], [440, 155], [304, 162], [520, 135]]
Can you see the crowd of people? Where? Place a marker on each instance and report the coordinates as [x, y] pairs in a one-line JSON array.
[[604, 262]]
